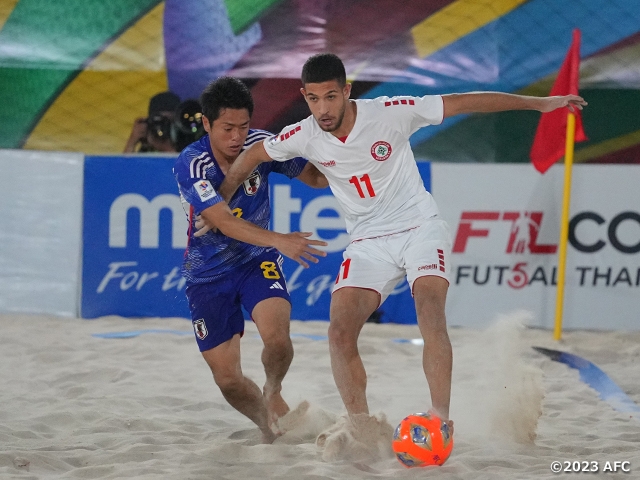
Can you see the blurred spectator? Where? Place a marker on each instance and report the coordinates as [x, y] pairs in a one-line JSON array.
[[153, 133]]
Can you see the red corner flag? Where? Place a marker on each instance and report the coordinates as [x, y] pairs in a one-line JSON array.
[[549, 142]]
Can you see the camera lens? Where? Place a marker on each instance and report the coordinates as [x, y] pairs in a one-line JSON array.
[[187, 126], [159, 126]]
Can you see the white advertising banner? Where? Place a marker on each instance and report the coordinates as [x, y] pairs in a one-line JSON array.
[[40, 231], [505, 224]]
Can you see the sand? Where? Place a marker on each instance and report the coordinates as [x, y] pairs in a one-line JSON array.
[[77, 406]]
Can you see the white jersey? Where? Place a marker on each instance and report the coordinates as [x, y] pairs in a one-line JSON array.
[[373, 174]]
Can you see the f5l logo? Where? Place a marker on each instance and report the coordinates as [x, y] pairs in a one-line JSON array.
[[523, 234], [252, 184]]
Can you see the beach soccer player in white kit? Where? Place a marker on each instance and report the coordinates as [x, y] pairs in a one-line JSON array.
[[363, 149]]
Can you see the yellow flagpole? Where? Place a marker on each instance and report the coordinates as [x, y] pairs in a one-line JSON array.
[[564, 223]]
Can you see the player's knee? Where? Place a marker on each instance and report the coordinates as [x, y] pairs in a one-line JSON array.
[[277, 340], [341, 336], [433, 321], [228, 379], [278, 346]]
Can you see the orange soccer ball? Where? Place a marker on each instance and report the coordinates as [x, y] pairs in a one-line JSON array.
[[421, 440]]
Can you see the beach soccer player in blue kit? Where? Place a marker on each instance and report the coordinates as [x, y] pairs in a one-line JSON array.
[[232, 260]]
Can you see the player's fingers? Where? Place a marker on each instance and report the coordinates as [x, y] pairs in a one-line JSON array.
[[201, 231], [320, 243], [315, 251], [310, 257], [302, 262]]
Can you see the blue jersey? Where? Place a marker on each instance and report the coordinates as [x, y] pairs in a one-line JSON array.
[[199, 177]]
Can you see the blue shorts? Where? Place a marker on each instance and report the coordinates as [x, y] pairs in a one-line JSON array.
[[216, 306]]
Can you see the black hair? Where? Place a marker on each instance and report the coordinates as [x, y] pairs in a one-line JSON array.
[[323, 67], [225, 92]]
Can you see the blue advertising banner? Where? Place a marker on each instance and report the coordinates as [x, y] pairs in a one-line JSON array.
[[134, 238]]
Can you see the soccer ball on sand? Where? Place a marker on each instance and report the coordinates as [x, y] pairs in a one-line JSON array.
[[422, 439]]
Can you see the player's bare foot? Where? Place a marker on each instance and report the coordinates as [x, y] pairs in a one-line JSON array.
[[433, 411], [268, 436], [276, 406], [450, 423]]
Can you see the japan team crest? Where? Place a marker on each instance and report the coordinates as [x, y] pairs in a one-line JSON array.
[[252, 184], [200, 328], [380, 151]]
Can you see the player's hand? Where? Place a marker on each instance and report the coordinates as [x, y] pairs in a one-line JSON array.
[[201, 227], [139, 129], [138, 134], [298, 247], [572, 102]]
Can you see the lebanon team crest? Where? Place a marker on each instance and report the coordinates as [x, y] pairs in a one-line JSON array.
[[200, 328], [252, 184], [380, 151]]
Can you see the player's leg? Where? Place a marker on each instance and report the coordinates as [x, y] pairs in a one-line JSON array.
[[366, 278], [430, 293], [350, 309], [239, 391], [426, 255], [271, 316], [264, 294], [218, 325]]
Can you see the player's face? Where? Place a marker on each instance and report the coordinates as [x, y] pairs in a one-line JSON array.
[[228, 132], [328, 102]]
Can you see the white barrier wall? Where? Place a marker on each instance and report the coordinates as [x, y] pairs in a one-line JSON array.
[[505, 225], [40, 231]]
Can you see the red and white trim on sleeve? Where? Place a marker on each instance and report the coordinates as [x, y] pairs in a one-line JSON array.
[[404, 101], [284, 136], [441, 259]]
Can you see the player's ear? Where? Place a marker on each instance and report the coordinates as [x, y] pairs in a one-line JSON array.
[[303, 92], [347, 90], [206, 124]]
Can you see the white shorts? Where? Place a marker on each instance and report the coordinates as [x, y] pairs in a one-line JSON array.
[[380, 263]]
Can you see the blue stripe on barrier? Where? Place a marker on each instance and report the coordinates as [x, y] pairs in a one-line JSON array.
[[593, 376], [413, 341], [135, 333]]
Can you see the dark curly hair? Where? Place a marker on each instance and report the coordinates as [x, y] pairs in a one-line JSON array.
[[225, 92], [323, 67]]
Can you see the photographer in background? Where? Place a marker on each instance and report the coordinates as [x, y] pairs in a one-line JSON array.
[[153, 134]]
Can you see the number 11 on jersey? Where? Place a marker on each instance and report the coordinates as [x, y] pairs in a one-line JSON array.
[[367, 182], [344, 270]]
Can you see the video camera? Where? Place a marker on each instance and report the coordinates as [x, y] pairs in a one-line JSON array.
[[187, 124], [159, 126]]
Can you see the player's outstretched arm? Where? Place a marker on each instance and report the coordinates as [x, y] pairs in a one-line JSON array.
[[311, 176], [487, 102], [294, 245], [241, 168]]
